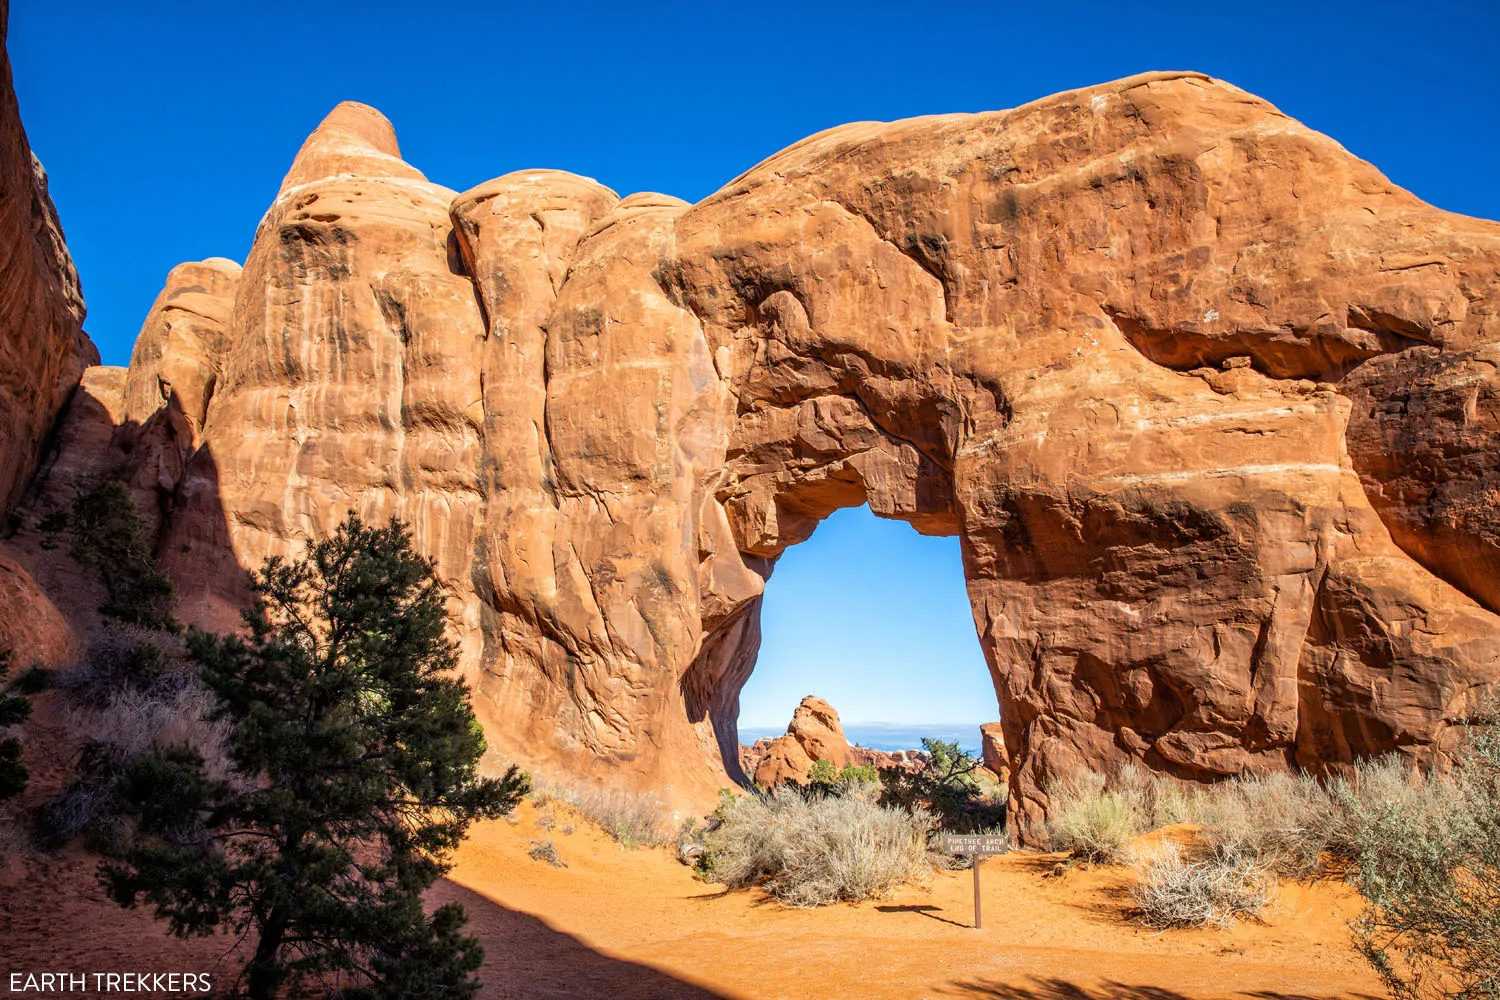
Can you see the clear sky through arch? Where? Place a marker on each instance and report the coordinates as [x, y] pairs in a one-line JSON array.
[[874, 618]]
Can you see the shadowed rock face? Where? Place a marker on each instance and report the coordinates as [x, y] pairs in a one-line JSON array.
[[1149, 349]]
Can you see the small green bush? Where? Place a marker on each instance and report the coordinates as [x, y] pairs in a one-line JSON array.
[[825, 779], [823, 772], [814, 850]]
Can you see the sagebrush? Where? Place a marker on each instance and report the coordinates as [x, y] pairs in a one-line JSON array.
[[1215, 888], [814, 850], [634, 819], [1429, 870]]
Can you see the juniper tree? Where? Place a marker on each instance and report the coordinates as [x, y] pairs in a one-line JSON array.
[[110, 537], [359, 755], [944, 783]]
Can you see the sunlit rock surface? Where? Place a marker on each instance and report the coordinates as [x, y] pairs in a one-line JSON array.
[[1207, 400]]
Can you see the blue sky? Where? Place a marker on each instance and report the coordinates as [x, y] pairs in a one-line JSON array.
[[166, 128]]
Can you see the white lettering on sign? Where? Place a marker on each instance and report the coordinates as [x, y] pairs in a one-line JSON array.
[[974, 844]]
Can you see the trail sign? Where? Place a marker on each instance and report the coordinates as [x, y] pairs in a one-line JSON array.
[[974, 846]]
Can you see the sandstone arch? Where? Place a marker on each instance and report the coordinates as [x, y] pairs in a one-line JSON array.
[[1138, 346]]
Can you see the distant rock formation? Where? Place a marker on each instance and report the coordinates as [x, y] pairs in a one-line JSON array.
[[1207, 400], [992, 749], [815, 733]]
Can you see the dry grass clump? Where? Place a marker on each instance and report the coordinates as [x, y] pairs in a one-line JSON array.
[[1211, 890], [1092, 821], [544, 850], [1281, 822], [130, 694], [13, 839], [634, 819], [814, 850]]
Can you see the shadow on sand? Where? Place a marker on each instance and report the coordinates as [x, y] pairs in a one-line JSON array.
[[525, 958], [1060, 989], [923, 910]]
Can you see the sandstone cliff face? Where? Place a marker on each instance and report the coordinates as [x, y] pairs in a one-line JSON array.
[[43, 348], [1149, 349]]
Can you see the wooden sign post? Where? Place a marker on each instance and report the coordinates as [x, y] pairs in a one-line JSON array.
[[975, 846]]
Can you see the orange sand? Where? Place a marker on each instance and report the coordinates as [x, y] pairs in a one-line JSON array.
[[636, 924]]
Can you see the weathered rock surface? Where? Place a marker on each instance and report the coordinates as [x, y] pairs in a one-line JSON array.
[[43, 348], [174, 371], [992, 749], [32, 629], [1206, 399], [814, 734]]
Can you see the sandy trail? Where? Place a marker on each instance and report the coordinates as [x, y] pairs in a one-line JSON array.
[[620, 924], [636, 924]]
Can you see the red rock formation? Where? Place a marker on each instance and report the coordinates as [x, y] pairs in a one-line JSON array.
[[992, 749], [43, 348], [1149, 349], [814, 734]]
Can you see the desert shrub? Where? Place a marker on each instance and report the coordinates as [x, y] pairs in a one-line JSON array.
[[1281, 821], [1212, 889], [544, 850], [110, 538], [13, 837], [121, 658], [633, 819], [1429, 870], [14, 709], [823, 772], [33, 680], [945, 786], [814, 850], [132, 693], [1091, 821]]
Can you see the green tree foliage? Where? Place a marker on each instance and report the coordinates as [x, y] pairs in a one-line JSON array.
[[360, 756], [1431, 878], [945, 785], [823, 772], [14, 709], [826, 779], [110, 538]]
